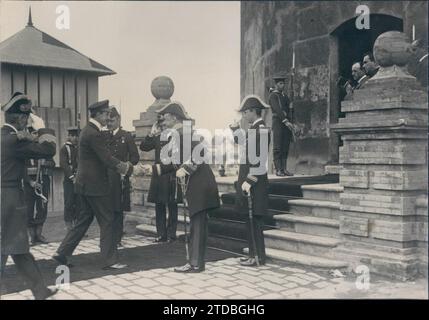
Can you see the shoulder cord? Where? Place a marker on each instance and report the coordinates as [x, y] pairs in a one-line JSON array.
[[38, 186], [69, 154]]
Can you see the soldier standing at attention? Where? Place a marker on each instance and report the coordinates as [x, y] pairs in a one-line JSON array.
[[252, 178], [18, 146], [123, 148], [281, 117], [68, 162], [38, 175]]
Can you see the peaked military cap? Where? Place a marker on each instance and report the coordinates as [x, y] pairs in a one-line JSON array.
[[100, 105], [114, 112], [73, 130], [279, 77], [19, 103], [175, 108], [252, 102]]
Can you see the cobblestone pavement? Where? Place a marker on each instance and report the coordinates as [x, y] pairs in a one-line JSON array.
[[223, 279]]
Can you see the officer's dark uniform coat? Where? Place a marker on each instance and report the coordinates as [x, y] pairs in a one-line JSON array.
[[259, 183], [122, 147], [94, 158], [202, 193], [162, 188], [14, 152]]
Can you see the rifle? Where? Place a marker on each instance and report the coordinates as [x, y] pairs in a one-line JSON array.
[[291, 93], [78, 119]]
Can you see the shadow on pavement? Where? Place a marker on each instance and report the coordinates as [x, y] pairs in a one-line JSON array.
[[88, 266]]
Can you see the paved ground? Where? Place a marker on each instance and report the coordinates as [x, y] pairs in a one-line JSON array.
[[224, 278]]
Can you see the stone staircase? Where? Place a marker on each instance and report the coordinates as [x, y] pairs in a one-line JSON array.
[[308, 232], [298, 230]]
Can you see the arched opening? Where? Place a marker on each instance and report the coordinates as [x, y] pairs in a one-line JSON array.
[[348, 44]]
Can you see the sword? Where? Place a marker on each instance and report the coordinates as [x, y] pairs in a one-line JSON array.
[[252, 232], [38, 186], [183, 184]]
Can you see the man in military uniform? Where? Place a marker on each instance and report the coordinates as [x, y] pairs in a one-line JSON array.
[[162, 189], [123, 147], [252, 177], [68, 162], [200, 189], [281, 122], [17, 146], [39, 173], [92, 185]]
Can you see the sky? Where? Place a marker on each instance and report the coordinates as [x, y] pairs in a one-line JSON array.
[[196, 44]]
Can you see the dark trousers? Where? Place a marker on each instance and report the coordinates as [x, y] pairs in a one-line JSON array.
[[198, 239], [100, 208], [258, 225], [281, 141], [166, 228], [118, 225], [32, 200], [71, 207], [28, 269]]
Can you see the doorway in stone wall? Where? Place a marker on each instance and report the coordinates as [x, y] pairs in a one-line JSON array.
[[348, 45]]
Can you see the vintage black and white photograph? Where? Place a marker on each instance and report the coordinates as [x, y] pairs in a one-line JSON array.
[[214, 150]]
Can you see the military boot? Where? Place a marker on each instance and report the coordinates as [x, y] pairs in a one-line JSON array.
[[284, 165], [39, 236], [32, 235], [279, 168]]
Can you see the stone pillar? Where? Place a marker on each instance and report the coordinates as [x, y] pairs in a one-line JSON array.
[[162, 89], [384, 173]]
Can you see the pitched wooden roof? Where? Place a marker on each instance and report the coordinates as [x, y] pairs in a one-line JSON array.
[[33, 47]]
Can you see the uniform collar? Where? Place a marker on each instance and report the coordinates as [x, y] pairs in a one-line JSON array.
[[116, 131], [96, 123], [362, 78], [257, 121], [11, 126], [424, 57]]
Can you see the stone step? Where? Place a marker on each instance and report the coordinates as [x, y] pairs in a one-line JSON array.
[[326, 192], [333, 169], [300, 242], [305, 259], [315, 208], [422, 206], [308, 225], [150, 230]]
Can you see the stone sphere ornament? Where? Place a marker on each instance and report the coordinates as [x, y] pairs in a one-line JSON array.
[[162, 87], [392, 48]]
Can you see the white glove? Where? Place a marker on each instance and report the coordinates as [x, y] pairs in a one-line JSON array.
[[122, 167], [35, 122], [181, 173], [147, 169], [142, 169], [156, 130], [246, 187]]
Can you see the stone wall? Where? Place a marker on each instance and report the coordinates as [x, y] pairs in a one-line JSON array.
[[271, 30], [383, 223]]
